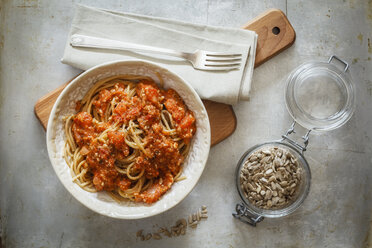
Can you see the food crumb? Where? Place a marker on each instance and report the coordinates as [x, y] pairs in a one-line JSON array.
[[180, 227]]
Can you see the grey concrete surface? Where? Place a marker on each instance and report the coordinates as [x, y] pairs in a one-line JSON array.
[[37, 211]]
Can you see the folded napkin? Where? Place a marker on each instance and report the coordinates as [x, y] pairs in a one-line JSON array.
[[222, 86]]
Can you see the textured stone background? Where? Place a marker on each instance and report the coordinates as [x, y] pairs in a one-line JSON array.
[[37, 211]]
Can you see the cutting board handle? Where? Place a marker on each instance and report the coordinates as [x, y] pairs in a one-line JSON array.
[[275, 34]]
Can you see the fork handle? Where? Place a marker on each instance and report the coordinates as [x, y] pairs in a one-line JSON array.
[[78, 40]]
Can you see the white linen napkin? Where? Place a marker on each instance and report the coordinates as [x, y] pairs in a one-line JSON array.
[[220, 86]]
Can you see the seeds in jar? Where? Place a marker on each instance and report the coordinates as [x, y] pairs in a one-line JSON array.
[[270, 178]]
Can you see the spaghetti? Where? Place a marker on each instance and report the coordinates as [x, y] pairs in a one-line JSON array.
[[129, 138]]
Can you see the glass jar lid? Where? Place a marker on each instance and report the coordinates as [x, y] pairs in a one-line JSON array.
[[320, 95]]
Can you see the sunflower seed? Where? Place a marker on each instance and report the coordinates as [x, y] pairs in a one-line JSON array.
[[139, 233], [156, 236], [253, 158], [264, 181], [266, 152], [167, 233], [270, 177], [194, 224], [284, 183], [194, 217], [258, 190], [190, 219], [183, 222], [268, 194], [198, 215], [250, 186]]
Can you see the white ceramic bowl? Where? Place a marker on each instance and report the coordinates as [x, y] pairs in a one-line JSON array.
[[101, 202]]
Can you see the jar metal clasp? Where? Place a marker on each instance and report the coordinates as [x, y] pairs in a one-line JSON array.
[[300, 147], [340, 60], [244, 215]]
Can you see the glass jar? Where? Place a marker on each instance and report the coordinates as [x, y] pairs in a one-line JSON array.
[[319, 96]]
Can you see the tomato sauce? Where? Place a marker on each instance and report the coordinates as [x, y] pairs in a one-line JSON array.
[[162, 159]]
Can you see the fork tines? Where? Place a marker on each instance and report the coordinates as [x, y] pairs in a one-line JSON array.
[[222, 61]]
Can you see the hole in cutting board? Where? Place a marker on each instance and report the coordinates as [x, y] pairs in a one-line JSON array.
[[275, 30]]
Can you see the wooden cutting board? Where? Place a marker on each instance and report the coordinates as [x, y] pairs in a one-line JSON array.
[[275, 34]]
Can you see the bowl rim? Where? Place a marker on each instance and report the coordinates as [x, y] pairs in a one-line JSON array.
[[76, 194]]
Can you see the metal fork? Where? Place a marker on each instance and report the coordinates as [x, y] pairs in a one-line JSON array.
[[200, 59]]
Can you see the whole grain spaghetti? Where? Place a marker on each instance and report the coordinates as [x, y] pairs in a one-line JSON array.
[[129, 138]]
